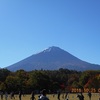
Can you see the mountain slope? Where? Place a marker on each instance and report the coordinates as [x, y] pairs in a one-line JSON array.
[[50, 59]]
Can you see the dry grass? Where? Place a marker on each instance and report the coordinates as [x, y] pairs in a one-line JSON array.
[[95, 96]]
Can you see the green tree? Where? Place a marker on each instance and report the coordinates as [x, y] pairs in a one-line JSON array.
[[2, 86], [12, 83], [3, 74], [39, 80], [22, 77]]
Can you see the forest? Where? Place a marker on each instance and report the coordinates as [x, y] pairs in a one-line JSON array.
[[53, 80]]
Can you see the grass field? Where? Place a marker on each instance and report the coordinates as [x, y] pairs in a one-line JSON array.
[[95, 96]]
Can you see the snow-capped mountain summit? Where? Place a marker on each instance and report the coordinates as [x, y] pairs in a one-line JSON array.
[[50, 59], [53, 48]]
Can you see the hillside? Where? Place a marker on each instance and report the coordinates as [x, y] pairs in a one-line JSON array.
[[52, 58]]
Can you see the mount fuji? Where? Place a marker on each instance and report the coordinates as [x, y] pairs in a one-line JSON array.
[[52, 58]]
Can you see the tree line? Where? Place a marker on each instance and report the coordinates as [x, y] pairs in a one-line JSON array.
[[52, 80]]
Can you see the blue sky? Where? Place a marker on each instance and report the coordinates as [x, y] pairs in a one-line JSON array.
[[30, 26]]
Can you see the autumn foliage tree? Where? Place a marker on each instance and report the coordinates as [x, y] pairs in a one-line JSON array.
[[50, 79]]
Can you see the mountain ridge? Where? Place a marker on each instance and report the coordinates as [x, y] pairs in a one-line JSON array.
[[50, 59]]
